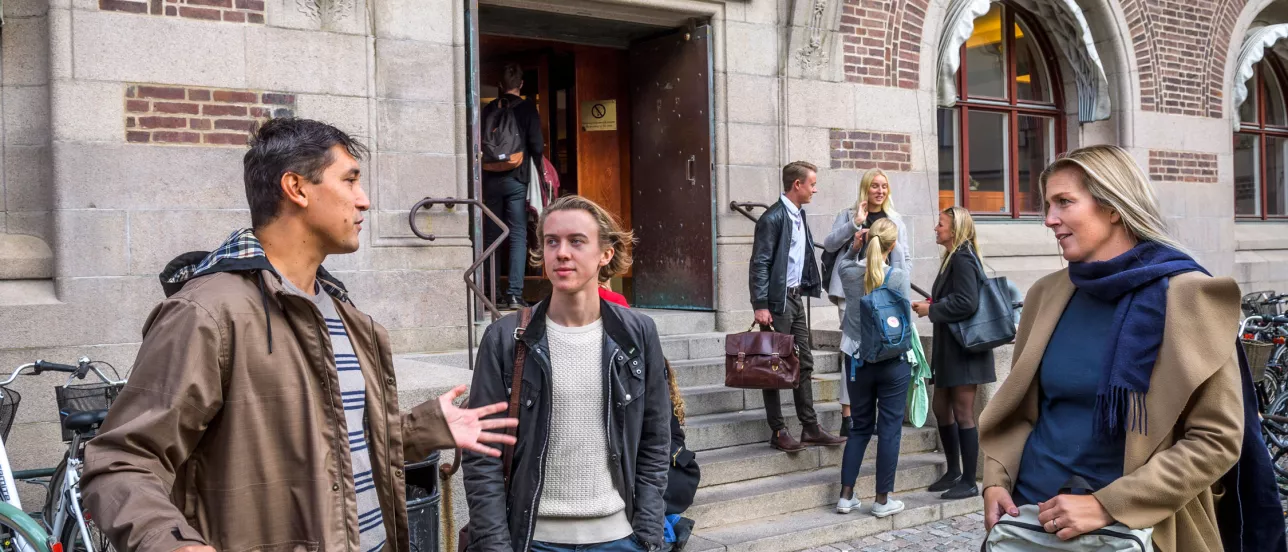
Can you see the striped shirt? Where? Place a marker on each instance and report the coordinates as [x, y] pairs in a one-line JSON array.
[[353, 388]]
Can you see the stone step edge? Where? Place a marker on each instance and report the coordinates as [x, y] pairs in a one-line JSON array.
[[823, 525]]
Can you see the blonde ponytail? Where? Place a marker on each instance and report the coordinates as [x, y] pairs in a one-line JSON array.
[[881, 238]]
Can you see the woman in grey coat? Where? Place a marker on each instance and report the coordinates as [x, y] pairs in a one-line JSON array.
[[873, 204]]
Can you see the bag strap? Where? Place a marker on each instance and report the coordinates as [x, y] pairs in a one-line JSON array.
[[516, 382]]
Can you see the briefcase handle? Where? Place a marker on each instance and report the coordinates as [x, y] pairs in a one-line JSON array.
[[752, 328]]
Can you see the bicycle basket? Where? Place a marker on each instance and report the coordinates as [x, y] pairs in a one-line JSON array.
[[1258, 356], [81, 398], [9, 400]]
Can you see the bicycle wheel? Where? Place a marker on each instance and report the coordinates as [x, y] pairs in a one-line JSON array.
[[15, 525], [72, 541], [71, 537]]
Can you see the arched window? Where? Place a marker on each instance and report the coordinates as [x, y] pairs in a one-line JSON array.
[[1261, 144], [1007, 124]]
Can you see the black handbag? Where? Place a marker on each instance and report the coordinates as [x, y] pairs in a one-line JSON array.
[[993, 323]]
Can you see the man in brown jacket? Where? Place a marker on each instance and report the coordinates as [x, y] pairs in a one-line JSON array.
[[260, 416]]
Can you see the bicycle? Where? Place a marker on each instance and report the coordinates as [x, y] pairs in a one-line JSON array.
[[82, 409], [18, 531]]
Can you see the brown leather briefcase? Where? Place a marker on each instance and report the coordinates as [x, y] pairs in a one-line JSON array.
[[761, 360]]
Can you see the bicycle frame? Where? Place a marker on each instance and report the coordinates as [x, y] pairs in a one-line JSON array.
[[67, 507]]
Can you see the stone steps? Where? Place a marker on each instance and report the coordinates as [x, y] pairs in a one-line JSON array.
[[742, 501], [758, 460], [822, 525]]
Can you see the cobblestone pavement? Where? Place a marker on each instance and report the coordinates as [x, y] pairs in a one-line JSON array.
[[959, 534]]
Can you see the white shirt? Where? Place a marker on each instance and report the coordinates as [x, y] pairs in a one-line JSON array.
[[796, 252]]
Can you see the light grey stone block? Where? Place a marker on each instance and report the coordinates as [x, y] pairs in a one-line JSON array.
[[178, 177], [752, 98], [753, 48], [26, 115], [415, 20], [25, 8], [821, 104], [24, 49], [88, 111], [418, 127], [172, 50], [290, 60], [755, 145], [92, 242], [406, 178], [156, 237], [28, 292], [415, 70], [35, 223], [25, 257], [33, 446], [348, 113], [60, 43], [27, 178]]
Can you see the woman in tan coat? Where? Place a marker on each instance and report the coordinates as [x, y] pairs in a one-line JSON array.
[[1125, 373]]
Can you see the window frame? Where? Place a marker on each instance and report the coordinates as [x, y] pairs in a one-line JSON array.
[[1261, 130], [1012, 107]]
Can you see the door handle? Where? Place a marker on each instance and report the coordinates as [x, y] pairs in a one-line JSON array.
[[689, 170]]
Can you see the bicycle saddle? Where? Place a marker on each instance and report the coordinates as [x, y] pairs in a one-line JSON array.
[[1280, 320], [84, 421]]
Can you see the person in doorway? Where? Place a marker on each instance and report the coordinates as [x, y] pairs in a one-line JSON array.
[[874, 203], [880, 386], [262, 408], [783, 270], [1125, 373], [506, 193], [957, 372], [590, 466]]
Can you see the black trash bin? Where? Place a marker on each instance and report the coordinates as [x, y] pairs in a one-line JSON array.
[[423, 498]]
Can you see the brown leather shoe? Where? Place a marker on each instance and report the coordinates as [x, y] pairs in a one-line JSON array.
[[814, 435], [782, 440]]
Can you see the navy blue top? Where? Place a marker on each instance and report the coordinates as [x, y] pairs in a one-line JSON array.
[[1062, 443]]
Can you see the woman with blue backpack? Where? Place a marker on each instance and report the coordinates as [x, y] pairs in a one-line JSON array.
[[876, 336]]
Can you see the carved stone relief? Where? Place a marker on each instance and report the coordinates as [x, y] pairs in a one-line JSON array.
[[814, 42]]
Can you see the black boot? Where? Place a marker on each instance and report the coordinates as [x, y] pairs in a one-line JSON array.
[[966, 488], [953, 473]]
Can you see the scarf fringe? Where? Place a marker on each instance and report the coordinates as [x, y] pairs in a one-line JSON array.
[[1120, 410]]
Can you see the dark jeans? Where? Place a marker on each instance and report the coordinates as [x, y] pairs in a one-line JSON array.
[[627, 544], [794, 322], [508, 199], [876, 386]]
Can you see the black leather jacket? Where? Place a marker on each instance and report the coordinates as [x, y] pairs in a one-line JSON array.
[[769, 261], [638, 421]]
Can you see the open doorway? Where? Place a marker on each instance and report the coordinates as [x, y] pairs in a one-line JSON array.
[[625, 112]]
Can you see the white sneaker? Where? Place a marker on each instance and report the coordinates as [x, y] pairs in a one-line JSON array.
[[844, 505], [890, 508]]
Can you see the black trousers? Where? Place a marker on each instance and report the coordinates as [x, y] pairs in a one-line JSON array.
[[795, 322]]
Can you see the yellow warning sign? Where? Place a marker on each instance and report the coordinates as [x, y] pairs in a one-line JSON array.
[[599, 115]]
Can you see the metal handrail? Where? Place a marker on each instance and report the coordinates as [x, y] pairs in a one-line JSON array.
[[486, 256], [744, 208]]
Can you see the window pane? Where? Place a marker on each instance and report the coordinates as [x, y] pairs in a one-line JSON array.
[[1031, 82], [1247, 173], [1035, 147], [1275, 204], [949, 158], [986, 56], [1274, 97], [986, 136], [1248, 109]]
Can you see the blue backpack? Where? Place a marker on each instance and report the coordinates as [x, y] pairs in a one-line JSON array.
[[883, 325]]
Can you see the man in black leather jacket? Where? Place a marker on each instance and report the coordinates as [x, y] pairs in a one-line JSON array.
[[783, 270]]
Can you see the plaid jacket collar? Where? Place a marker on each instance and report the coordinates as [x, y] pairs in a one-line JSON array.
[[241, 251]]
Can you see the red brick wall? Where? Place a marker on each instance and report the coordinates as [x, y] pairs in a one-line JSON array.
[[1180, 48], [233, 11], [1182, 166], [882, 41], [191, 115], [862, 149]]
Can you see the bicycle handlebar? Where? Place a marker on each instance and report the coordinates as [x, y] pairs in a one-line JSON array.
[[83, 368], [42, 366]]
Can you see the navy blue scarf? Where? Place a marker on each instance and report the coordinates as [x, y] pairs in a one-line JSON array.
[[1137, 282]]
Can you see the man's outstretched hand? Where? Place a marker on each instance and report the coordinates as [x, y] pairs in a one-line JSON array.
[[468, 427]]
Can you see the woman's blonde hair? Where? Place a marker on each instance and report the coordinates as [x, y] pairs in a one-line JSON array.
[[611, 235], [881, 238], [963, 232], [677, 400], [865, 184], [1117, 182]]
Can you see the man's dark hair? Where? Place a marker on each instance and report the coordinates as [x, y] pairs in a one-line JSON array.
[[288, 144], [511, 77], [796, 170]]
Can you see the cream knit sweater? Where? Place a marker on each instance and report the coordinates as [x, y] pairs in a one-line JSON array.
[[579, 502]]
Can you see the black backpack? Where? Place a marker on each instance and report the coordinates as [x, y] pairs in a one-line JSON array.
[[502, 140], [829, 261]]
